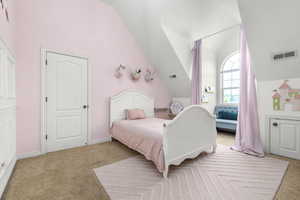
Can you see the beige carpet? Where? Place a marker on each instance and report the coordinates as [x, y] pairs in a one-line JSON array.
[[224, 175]]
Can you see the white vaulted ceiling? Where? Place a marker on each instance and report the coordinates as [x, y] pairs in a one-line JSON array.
[[166, 29], [199, 18], [272, 26]]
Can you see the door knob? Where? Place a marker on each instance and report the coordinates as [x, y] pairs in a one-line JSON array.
[[85, 106]]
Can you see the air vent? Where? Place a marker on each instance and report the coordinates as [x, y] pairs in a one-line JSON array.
[[284, 55]]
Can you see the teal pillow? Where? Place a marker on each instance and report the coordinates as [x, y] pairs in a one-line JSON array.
[[229, 115]]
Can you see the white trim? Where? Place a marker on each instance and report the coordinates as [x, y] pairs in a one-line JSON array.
[[7, 174], [100, 140], [38, 153], [43, 107], [29, 155], [267, 134], [43, 92], [7, 106]]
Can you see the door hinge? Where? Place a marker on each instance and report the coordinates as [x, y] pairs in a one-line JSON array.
[[46, 137], [46, 62], [46, 99]]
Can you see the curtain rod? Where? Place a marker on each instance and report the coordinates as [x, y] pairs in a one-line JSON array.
[[223, 30]]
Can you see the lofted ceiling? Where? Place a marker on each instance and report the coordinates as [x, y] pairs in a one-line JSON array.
[[199, 18], [272, 27], [216, 42], [166, 29]]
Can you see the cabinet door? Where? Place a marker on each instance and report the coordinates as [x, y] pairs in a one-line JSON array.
[[4, 143], [285, 138], [2, 147]]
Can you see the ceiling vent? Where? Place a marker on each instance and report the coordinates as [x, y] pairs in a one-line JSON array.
[[283, 56]]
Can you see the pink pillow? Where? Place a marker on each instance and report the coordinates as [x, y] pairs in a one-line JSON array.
[[132, 114]]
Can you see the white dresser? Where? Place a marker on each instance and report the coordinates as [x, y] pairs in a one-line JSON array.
[[285, 137], [7, 116]]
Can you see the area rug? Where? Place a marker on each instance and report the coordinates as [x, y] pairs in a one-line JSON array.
[[221, 176]]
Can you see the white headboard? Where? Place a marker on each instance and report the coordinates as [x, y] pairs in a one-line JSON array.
[[129, 99]]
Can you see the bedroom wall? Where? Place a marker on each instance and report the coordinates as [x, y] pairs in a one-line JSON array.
[[209, 76], [144, 21], [265, 102], [272, 27], [182, 45], [92, 30]]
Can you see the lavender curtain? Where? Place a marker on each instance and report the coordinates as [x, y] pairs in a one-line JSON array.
[[247, 138], [197, 73]]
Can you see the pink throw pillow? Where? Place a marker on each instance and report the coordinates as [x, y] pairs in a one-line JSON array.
[[132, 114]]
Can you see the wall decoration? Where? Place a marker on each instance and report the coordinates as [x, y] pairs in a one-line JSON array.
[[204, 98], [4, 6], [149, 76], [286, 98], [136, 75], [118, 72], [6, 14], [209, 90]]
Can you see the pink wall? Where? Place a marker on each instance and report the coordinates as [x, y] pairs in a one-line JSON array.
[[7, 28], [85, 28]]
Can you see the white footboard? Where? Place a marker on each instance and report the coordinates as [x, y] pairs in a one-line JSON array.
[[192, 132]]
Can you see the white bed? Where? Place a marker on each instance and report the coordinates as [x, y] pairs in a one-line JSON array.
[[192, 132]]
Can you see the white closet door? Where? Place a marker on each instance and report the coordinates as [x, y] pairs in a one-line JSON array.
[[2, 77], [7, 116], [4, 148], [66, 107], [285, 138]]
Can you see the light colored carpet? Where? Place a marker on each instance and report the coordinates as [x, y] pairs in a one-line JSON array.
[[221, 176]]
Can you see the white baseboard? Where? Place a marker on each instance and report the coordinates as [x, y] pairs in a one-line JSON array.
[[29, 155], [38, 153], [100, 140], [7, 174]]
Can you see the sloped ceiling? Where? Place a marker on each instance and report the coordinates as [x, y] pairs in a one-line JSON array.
[[199, 18], [271, 27], [166, 29]]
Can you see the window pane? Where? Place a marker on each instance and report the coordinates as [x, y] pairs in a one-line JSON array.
[[235, 92], [226, 76], [227, 92], [227, 66], [232, 63], [227, 99], [231, 79], [236, 61], [236, 75], [226, 84], [227, 95], [235, 99], [236, 83]]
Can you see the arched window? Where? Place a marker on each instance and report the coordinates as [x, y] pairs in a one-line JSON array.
[[230, 79]]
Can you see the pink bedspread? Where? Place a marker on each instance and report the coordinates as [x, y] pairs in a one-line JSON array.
[[144, 136]]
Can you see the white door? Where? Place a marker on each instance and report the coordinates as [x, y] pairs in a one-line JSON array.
[[285, 138], [66, 102]]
